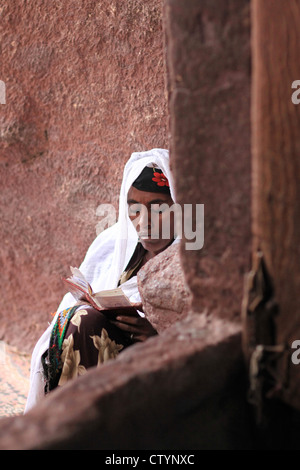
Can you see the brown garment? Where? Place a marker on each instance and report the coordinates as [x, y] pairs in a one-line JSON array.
[[91, 339]]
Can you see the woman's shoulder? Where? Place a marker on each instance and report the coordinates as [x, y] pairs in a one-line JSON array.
[[104, 242]]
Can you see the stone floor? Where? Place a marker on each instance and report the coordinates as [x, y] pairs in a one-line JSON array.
[[14, 380]]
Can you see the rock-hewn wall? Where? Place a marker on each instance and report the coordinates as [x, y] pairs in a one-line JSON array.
[[181, 390], [184, 388], [209, 98], [165, 295], [84, 88], [276, 195]]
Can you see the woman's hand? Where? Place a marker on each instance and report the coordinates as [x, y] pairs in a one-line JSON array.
[[138, 328]]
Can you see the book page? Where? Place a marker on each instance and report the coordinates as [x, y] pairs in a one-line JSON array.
[[78, 285], [114, 298], [78, 279], [111, 299]]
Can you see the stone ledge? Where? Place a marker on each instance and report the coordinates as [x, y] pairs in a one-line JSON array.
[[195, 374]]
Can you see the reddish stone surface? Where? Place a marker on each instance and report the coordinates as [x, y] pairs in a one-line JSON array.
[[194, 373], [276, 174], [84, 88], [164, 292], [208, 45]]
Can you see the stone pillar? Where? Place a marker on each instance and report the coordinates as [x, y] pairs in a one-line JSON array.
[[276, 176], [209, 83]]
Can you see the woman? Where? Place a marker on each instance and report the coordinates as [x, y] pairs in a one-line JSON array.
[[79, 336]]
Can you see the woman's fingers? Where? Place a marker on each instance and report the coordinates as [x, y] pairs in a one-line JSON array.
[[139, 327], [126, 323], [128, 319]]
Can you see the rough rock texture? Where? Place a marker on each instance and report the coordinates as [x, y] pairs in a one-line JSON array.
[[84, 88], [164, 292], [184, 388], [209, 86], [194, 372], [276, 174]]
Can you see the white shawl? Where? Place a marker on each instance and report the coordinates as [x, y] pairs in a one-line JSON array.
[[105, 260]]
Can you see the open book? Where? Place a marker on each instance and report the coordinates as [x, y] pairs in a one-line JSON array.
[[113, 299]]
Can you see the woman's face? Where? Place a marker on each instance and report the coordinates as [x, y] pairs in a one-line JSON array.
[[152, 219]]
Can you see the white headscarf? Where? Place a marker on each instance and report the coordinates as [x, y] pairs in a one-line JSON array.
[[106, 258]]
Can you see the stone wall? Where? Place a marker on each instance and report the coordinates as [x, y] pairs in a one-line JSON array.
[[276, 195], [84, 88], [208, 66], [185, 388]]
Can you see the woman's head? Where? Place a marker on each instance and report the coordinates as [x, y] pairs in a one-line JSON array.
[[149, 200]]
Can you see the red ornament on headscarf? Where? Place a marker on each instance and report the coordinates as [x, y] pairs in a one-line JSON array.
[[160, 179]]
